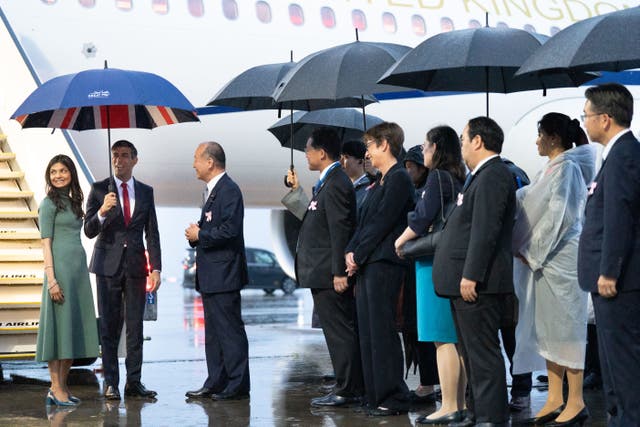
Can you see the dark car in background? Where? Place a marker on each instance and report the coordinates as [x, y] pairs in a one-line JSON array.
[[264, 272]]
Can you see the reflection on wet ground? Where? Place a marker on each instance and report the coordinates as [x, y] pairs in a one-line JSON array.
[[288, 362]]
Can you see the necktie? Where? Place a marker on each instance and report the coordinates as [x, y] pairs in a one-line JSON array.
[[126, 208], [316, 188], [467, 181]]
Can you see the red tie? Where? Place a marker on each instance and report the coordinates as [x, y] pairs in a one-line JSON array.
[[125, 204]]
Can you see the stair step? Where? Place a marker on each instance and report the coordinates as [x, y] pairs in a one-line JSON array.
[[18, 255], [7, 156], [16, 194], [11, 174], [9, 234], [18, 215]]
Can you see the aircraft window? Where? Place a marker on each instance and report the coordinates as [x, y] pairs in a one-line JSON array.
[[124, 4], [474, 23], [296, 15], [196, 8], [446, 24], [502, 24], [554, 30], [328, 17], [160, 6], [530, 28], [263, 12], [418, 25], [48, 1], [358, 19], [88, 3], [389, 23], [230, 9]]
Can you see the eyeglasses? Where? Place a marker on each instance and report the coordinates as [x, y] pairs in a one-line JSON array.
[[584, 117]]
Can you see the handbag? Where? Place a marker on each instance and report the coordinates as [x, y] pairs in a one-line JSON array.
[[425, 246]]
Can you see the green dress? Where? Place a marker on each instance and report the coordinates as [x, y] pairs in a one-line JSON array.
[[68, 330]]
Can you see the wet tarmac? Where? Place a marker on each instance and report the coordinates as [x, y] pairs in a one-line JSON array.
[[288, 362]]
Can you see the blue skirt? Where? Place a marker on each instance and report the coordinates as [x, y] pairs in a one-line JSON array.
[[435, 320]]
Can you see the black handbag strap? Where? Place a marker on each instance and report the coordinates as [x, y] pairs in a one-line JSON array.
[[442, 205]]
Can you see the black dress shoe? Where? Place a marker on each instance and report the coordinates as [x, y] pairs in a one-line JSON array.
[[201, 392], [381, 411], [228, 395], [111, 393], [466, 422], [445, 419], [540, 420], [332, 399], [578, 420], [520, 403], [138, 389]]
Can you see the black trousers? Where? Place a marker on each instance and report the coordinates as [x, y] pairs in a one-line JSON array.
[[226, 345], [121, 299], [521, 383], [337, 316], [477, 326], [377, 291], [618, 324]]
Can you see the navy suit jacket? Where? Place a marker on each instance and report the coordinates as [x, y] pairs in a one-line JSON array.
[[113, 236], [610, 239], [476, 241], [221, 263]]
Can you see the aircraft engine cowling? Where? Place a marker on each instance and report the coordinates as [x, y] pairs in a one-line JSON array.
[[284, 236]]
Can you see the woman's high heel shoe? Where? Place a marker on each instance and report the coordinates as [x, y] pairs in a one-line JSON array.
[[74, 399], [51, 400], [577, 420], [544, 419]]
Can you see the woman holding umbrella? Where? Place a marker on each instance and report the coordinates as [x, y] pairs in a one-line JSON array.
[[380, 272], [68, 327]]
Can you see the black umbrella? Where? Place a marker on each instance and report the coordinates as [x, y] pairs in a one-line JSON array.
[[346, 70], [608, 42], [475, 60], [346, 121]]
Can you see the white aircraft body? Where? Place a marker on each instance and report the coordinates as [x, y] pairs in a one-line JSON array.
[[200, 45]]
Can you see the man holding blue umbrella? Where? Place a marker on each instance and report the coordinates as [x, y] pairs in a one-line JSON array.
[[120, 211]]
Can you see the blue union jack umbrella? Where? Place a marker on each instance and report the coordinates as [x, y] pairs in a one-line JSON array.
[[106, 98]]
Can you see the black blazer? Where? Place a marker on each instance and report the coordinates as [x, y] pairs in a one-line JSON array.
[[221, 263], [113, 236], [476, 241], [610, 239], [382, 218], [326, 228]]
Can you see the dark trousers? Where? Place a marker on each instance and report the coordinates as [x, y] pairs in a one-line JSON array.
[[226, 345], [618, 324], [477, 326], [121, 299], [337, 316], [592, 358], [427, 363], [521, 384], [377, 291]]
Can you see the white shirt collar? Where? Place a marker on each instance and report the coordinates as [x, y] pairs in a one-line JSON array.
[[119, 183], [482, 162], [359, 180], [325, 170], [612, 141], [212, 183]]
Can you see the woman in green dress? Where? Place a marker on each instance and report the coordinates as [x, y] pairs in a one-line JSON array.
[[67, 327]]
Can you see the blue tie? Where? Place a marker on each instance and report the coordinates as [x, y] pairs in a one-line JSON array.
[[467, 181], [316, 187]]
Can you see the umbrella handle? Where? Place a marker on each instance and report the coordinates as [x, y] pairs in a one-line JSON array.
[[286, 181]]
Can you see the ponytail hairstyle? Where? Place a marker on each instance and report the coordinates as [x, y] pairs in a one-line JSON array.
[[567, 129]]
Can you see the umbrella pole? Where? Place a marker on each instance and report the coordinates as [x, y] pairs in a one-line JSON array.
[[291, 129], [364, 117], [486, 75], [111, 188]]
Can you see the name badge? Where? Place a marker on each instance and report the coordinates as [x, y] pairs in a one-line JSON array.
[[207, 216], [313, 205], [460, 199], [592, 188]]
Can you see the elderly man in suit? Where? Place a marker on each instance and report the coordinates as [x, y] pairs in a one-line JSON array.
[[120, 211], [473, 266], [609, 249], [220, 274], [328, 221]]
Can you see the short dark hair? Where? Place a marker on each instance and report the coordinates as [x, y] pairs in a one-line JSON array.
[[354, 148], [328, 140], [447, 155], [126, 144], [214, 151], [568, 130], [612, 99], [389, 131], [489, 131]]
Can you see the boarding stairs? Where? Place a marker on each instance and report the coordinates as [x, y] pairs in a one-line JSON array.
[[21, 260]]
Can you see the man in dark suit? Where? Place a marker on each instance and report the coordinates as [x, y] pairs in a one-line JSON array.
[[473, 266], [328, 221], [120, 211], [609, 251], [220, 274]]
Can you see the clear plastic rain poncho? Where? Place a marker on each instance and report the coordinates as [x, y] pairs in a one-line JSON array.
[[552, 308]]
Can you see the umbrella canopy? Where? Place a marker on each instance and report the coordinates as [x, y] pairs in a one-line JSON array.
[[351, 69], [253, 90], [603, 43], [475, 60], [346, 121], [79, 101]]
